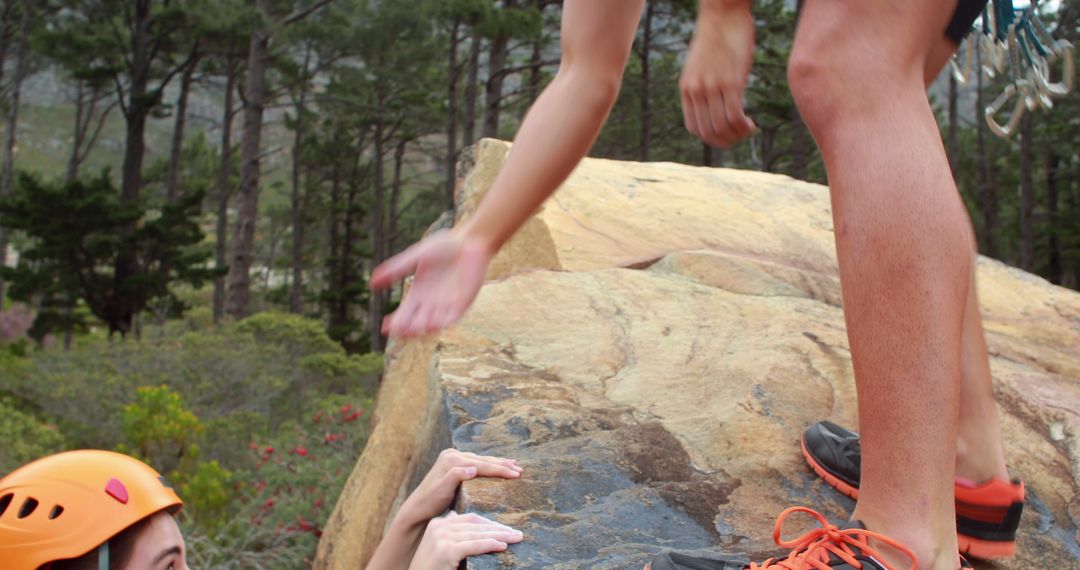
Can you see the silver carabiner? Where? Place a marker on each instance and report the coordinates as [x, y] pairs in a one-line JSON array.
[[1062, 50], [963, 74], [1017, 89]]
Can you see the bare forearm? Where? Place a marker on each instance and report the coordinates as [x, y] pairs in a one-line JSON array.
[[396, 550], [564, 122], [556, 134]]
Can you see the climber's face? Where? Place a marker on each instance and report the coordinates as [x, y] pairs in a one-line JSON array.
[[159, 546]]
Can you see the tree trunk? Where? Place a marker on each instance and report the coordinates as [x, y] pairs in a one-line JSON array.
[[83, 140], [497, 55], [451, 117], [122, 304], [1054, 270], [535, 65], [81, 111], [172, 182], [988, 202], [473, 78], [296, 296], [799, 147], [5, 35], [1027, 194], [224, 189], [22, 61], [378, 232], [711, 156], [395, 198], [344, 276], [239, 279], [340, 314], [333, 241], [172, 178], [69, 323], [644, 95], [953, 132]]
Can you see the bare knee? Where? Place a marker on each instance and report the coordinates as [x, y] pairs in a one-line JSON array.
[[810, 83], [825, 88], [839, 76]]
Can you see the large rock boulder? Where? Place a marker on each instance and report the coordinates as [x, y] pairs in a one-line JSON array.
[[651, 347]]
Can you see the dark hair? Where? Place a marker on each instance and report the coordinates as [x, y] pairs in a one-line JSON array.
[[121, 547]]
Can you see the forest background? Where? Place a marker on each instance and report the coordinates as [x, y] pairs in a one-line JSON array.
[[193, 194]]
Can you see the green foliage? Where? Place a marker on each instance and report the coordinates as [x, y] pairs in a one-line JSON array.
[[291, 333], [207, 494], [26, 437], [77, 231], [202, 406], [158, 428]]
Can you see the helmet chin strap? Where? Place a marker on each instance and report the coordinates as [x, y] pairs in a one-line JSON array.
[[103, 556]]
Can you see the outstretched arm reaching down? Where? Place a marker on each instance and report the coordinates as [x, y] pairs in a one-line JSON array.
[[557, 132]]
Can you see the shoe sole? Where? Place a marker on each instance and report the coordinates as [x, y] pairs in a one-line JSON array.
[[977, 548]]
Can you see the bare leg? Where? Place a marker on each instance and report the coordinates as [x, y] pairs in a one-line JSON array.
[[980, 453], [902, 236]]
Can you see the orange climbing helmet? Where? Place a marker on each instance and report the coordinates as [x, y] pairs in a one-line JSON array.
[[65, 505]]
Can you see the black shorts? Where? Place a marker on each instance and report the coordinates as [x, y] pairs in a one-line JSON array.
[[966, 13], [962, 19]]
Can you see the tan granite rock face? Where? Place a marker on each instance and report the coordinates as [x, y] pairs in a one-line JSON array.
[[652, 348]]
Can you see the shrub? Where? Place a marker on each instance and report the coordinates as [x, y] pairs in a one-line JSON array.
[[287, 493], [25, 437], [192, 399], [158, 428]]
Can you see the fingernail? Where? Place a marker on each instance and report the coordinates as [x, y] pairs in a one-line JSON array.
[[470, 471]]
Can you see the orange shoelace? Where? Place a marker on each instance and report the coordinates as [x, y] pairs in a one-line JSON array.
[[812, 549]]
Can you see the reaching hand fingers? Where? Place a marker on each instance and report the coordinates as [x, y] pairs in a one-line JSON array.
[[401, 320], [689, 118], [697, 105], [455, 476], [724, 135], [479, 532], [442, 318], [421, 325], [486, 465], [454, 537], [735, 116], [463, 550], [716, 115], [707, 127], [396, 268]]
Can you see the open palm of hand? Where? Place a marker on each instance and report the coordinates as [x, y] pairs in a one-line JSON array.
[[448, 271]]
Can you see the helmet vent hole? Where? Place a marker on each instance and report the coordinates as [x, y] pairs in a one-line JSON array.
[[4, 502], [56, 511], [28, 507]]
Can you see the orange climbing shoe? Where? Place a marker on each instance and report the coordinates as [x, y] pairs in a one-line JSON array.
[[987, 514], [827, 547]]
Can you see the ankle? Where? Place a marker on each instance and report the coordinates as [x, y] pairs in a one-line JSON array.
[[934, 545], [930, 557], [980, 462]]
